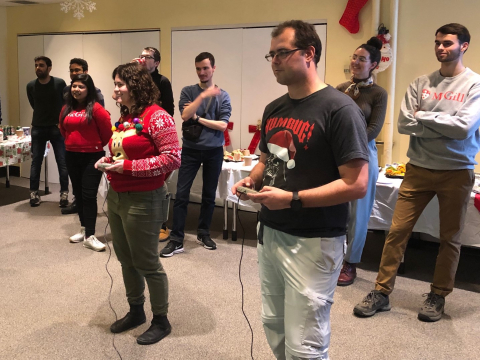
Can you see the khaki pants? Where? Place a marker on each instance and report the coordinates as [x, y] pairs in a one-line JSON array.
[[453, 188], [135, 220]]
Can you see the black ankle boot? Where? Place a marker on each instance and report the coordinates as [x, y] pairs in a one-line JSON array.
[[134, 318], [157, 331]]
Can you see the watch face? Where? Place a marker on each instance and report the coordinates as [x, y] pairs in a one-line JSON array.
[[296, 205]]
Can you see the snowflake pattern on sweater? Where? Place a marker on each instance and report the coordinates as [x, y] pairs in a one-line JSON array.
[[163, 132], [150, 155]]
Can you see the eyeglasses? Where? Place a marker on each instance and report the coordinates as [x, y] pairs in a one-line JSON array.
[[76, 70], [280, 54], [145, 57]]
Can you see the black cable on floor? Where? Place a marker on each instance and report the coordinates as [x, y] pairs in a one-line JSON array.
[[108, 272], [240, 278]]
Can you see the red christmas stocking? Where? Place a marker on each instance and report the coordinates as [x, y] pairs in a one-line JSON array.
[[349, 18]]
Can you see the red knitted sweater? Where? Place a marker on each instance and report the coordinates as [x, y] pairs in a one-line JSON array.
[[147, 156], [80, 136]]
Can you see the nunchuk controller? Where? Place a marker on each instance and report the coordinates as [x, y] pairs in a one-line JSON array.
[[104, 165], [246, 191]]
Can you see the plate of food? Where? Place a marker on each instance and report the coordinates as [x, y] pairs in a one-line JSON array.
[[236, 155], [395, 171]]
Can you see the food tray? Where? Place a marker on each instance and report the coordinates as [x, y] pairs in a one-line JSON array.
[[395, 176]]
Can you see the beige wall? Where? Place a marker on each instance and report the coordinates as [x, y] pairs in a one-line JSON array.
[[418, 21], [3, 64], [168, 14]]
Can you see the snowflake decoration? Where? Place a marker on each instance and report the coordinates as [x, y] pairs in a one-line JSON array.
[[78, 6]]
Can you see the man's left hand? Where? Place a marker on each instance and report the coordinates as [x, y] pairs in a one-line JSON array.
[[273, 198]]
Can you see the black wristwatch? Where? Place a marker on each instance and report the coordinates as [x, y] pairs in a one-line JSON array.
[[296, 203], [196, 117]]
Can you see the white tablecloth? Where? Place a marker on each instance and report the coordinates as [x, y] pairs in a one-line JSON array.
[[232, 172], [386, 197]]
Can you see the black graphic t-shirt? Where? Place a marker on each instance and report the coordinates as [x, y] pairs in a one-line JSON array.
[[306, 141]]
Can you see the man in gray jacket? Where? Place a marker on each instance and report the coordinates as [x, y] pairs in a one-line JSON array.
[[441, 113]]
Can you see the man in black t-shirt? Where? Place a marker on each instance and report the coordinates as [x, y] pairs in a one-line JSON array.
[[45, 95], [314, 160]]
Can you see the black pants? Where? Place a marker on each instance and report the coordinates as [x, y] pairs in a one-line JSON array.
[[85, 181], [40, 136]]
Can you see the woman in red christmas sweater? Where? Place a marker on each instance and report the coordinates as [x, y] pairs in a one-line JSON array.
[[144, 149], [86, 127]]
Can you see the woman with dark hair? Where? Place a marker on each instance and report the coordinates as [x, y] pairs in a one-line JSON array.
[[86, 127], [144, 149], [372, 100]]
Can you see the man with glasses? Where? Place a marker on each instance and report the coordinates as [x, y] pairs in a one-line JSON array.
[[207, 105], [152, 59], [314, 160], [45, 95], [78, 66]]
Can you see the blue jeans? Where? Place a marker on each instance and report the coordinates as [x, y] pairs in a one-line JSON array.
[[212, 160], [40, 136], [361, 209]]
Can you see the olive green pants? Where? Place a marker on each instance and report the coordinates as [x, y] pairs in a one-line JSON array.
[[135, 221]]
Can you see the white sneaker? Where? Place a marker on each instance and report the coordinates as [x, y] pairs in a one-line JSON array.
[[93, 243], [78, 237]]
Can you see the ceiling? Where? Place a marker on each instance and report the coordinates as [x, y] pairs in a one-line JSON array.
[[10, 3]]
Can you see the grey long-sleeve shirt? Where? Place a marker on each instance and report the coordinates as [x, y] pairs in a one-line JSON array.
[[442, 116], [220, 109]]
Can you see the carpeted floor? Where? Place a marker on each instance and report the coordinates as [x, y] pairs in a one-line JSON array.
[[14, 194], [56, 297]]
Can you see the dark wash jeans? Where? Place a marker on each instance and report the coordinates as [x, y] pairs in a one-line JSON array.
[[40, 136], [85, 181], [212, 160]]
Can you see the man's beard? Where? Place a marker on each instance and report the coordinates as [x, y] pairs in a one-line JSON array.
[[454, 55], [42, 75]]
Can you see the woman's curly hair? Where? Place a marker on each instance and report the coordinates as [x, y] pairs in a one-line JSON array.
[[140, 85]]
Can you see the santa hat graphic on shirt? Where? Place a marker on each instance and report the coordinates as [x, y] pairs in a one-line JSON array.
[[281, 145]]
